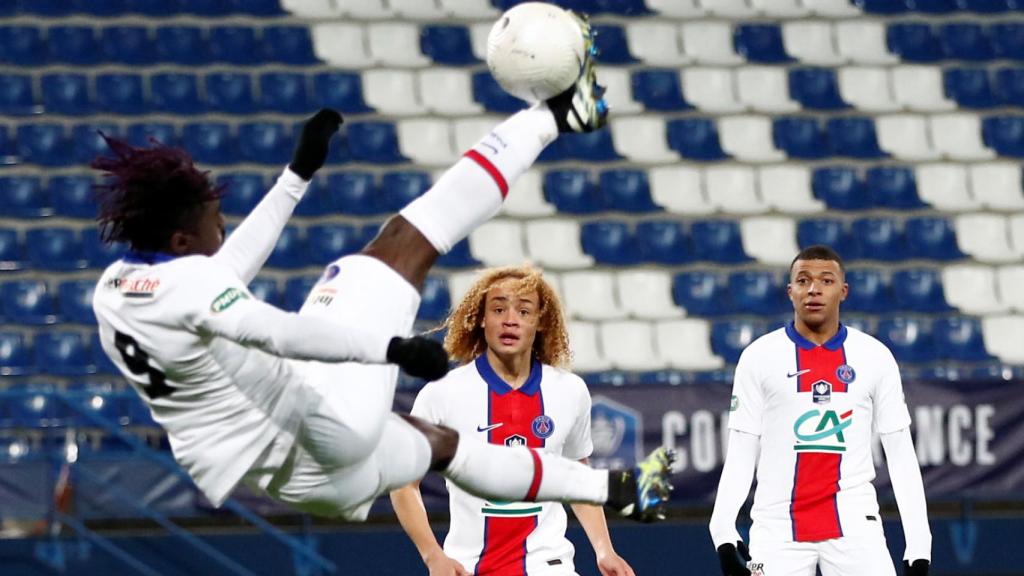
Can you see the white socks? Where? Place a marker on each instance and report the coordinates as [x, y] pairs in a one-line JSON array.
[[471, 191], [524, 474]]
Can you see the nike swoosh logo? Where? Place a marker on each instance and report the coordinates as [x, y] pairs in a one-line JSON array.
[[489, 428], [794, 374]]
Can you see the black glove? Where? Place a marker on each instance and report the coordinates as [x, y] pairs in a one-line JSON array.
[[918, 568], [733, 559], [311, 152], [419, 356]]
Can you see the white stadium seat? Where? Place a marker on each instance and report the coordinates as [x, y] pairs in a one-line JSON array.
[[709, 43], [676, 8], [863, 42], [341, 44], [958, 137], [498, 243], [985, 237], [749, 139], [733, 190], [472, 9], [919, 88], [642, 139], [997, 185], [478, 38], [971, 288], [832, 8], [867, 88], [710, 89], [944, 186], [679, 190], [469, 131], [526, 197], [555, 243], [629, 345], [730, 8], [1016, 224], [1009, 280], [765, 89], [448, 91], [647, 294], [655, 43], [417, 9], [426, 141], [780, 8], [392, 92], [312, 8], [686, 344], [1004, 337], [905, 136], [620, 91], [396, 44], [787, 188], [590, 295], [365, 9], [811, 42], [769, 239], [586, 350]]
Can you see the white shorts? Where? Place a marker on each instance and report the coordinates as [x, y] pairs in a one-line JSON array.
[[860, 554]]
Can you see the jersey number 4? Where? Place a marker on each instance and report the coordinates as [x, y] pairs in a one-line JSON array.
[[138, 363]]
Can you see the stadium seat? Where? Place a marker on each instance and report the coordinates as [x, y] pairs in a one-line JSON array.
[[612, 44], [971, 289], [935, 6], [264, 143], [142, 134], [62, 354], [1016, 225], [787, 189], [711, 89], [295, 291], [800, 137], [733, 190], [965, 41], [997, 185], [586, 351], [1009, 87], [816, 89], [234, 45], [98, 254], [659, 90], [730, 337], [864, 42], [642, 139], [396, 44], [914, 42], [595, 146], [984, 237], [87, 143], [780, 8], [919, 88], [870, 291], [663, 242], [760, 43], [374, 142], [23, 46], [183, 45], [879, 239], [989, 6], [919, 290], [840, 187], [317, 201], [458, 257], [893, 187], [959, 137], [416, 10], [717, 241], [590, 295], [931, 238], [526, 197], [15, 355], [959, 338], [28, 302], [709, 43], [867, 88], [242, 192], [340, 90], [646, 294], [730, 9], [65, 93], [12, 254], [492, 96], [24, 197], [342, 44], [686, 344], [655, 42], [75, 45], [284, 92], [854, 137], [397, 189], [629, 345], [627, 191], [609, 242], [447, 45], [572, 192], [288, 45], [1008, 40], [695, 138], [1008, 281], [810, 42], [618, 92], [756, 292], [210, 142], [75, 297], [290, 251], [498, 243], [555, 243], [16, 95], [944, 187], [827, 232], [43, 144], [1005, 135], [435, 302], [749, 139], [447, 92], [1004, 337], [127, 45], [120, 94], [328, 242], [969, 87], [769, 239], [905, 136], [908, 338], [354, 193], [54, 249], [72, 196], [229, 92], [887, 7], [176, 93]]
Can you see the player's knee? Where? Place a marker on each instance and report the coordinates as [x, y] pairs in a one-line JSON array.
[[443, 441]]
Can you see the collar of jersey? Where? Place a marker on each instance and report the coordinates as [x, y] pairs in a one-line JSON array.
[[499, 386], [834, 343], [142, 257]]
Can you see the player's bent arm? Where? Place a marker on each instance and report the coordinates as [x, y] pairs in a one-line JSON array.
[[412, 515], [909, 490], [733, 487]]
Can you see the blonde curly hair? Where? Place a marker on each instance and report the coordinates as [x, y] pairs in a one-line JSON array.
[[465, 339]]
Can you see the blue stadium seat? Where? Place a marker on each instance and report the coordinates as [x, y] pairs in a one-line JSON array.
[[909, 339], [127, 45], [760, 43], [288, 45], [399, 188], [176, 93], [265, 289], [265, 143], [235, 45], [592, 147], [458, 257], [184, 45], [44, 144], [936, 6], [959, 338], [62, 354], [22, 46], [354, 193], [72, 196], [54, 249], [205, 7], [141, 134], [612, 46], [969, 87], [66, 94], [1008, 40], [340, 90], [718, 241], [627, 191], [12, 254], [435, 300], [879, 239], [101, 8], [758, 292], [284, 92], [816, 89], [840, 188], [800, 137], [492, 96], [296, 290], [1009, 88], [1004, 134], [695, 138], [919, 290], [243, 192], [659, 90], [447, 45], [100, 359], [854, 137], [374, 142], [663, 242], [154, 8], [572, 192], [869, 291], [75, 297], [827, 232], [16, 95], [882, 6], [23, 197], [37, 406], [209, 142], [893, 187], [702, 293], [230, 92], [329, 242], [76, 45], [87, 143], [730, 337], [316, 201], [96, 400], [15, 355], [966, 41], [914, 42], [989, 6], [290, 251], [98, 254], [262, 8], [28, 302], [609, 242], [931, 238], [622, 7], [121, 94]]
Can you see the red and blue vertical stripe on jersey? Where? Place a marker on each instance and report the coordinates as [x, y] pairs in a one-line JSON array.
[[813, 508], [504, 550]]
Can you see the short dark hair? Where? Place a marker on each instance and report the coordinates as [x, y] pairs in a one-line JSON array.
[[147, 194], [819, 252]]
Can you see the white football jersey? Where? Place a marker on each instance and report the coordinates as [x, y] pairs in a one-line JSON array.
[[815, 409], [551, 411]]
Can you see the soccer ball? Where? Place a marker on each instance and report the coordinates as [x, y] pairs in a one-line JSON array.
[[535, 50]]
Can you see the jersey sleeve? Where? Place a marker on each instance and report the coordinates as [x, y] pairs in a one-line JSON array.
[[428, 404], [747, 403], [891, 412], [578, 444]]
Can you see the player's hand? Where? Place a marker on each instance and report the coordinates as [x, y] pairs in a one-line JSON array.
[[311, 151], [733, 559], [612, 564], [918, 568], [419, 356], [441, 565]]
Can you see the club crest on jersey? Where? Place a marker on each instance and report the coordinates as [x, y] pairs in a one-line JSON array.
[[227, 299], [330, 273], [846, 374], [515, 440], [543, 426], [821, 392]]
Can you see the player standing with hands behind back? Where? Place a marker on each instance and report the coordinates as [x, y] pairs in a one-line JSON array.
[[807, 398]]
